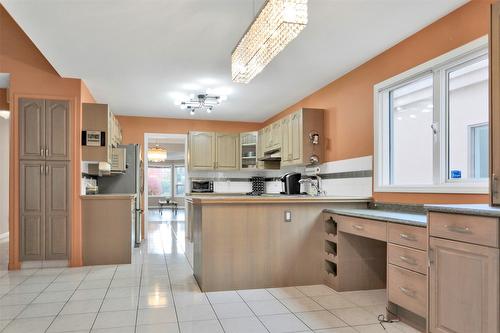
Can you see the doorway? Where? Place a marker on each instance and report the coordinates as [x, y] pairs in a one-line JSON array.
[[165, 177], [4, 171]]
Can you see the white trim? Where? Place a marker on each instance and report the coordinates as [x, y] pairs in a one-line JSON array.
[[4, 235], [381, 158]]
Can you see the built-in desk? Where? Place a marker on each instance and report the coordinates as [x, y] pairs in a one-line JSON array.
[[375, 249]]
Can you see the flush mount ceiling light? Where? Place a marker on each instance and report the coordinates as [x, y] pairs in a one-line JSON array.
[[157, 154], [276, 25], [200, 102], [5, 114]]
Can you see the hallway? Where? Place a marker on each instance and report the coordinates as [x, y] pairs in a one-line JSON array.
[[158, 293]]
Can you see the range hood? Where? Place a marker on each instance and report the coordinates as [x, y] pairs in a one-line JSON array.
[[271, 156]]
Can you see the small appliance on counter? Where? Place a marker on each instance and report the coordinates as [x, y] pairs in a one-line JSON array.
[[258, 186], [202, 186], [291, 183]]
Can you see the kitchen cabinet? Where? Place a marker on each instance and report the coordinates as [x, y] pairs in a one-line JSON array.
[[248, 150], [494, 54], [44, 127], [464, 285], [276, 135], [44, 209], [98, 117], [214, 151]]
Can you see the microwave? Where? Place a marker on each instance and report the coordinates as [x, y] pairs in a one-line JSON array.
[[202, 186]]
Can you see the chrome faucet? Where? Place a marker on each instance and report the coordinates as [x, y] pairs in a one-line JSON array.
[[315, 183]]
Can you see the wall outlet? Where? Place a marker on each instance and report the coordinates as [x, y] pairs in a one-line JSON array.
[[288, 216]]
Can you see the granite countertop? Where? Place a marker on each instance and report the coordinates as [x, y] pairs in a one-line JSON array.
[[467, 209], [113, 196], [415, 219], [272, 198]]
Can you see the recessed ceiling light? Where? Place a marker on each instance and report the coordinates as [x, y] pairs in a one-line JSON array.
[[413, 116], [5, 114]]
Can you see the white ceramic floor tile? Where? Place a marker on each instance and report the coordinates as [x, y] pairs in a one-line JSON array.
[[316, 290], [28, 325], [268, 307], [94, 284], [156, 316], [195, 312], [377, 328], [224, 297], [41, 310], [86, 294], [129, 329], [156, 301], [232, 310], [119, 304], [302, 304], [122, 292], [10, 311], [320, 319], [62, 286], [190, 298], [366, 297], [29, 288], [255, 295], [17, 299], [115, 319], [53, 296], [4, 323], [286, 292], [76, 307], [333, 301], [355, 316], [243, 325], [158, 328], [202, 326], [74, 322], [337, 330], [283, 323]]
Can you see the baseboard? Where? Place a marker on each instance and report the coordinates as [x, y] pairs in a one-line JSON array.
[[4, 235]]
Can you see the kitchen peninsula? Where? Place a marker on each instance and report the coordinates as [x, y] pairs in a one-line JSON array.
[[244, 242]]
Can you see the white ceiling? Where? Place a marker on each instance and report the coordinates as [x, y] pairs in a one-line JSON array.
[[135, 54]]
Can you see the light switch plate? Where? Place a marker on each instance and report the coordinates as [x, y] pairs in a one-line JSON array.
[[288, 216]]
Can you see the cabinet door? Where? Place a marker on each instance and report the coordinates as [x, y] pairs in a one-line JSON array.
[[268, 138], [57, 210], [201, 150], [296, 137], [463, 282], [31, 129], [228, 151], [494, 55], [32, 209], [260, 149], [285, 141], [57, 130], [276, 135]]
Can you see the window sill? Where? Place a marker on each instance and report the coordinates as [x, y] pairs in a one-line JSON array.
[[442, 189]]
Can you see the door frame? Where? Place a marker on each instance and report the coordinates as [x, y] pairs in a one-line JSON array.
[[147, 137]]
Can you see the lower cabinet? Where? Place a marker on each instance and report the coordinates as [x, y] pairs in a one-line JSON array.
[[44, 210], [464, 287]]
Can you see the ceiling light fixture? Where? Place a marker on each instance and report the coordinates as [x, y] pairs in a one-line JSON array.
[[276, 25], [5, 114], [157, 154], [200, 102]]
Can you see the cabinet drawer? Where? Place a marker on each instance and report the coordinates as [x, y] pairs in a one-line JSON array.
[[415, 260], [407, 289], [407, 235], [362, 227], [479, 230]]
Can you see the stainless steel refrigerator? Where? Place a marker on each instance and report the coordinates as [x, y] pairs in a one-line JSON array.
[[131, 181]]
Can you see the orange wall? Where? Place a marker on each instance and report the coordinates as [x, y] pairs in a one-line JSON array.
[[133, 128], [33, 76], [4, 105], [349, 99]]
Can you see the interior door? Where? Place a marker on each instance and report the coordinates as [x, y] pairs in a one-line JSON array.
[[57, 129], [32, 210], [31, 129], [57, 215], [463, 287], [201, 150], [228, 151], [494, 55]]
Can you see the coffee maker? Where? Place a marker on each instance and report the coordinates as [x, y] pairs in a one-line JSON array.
[[291, 183]]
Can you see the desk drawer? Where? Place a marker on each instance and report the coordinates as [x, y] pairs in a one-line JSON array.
[[415, 260], [362, 227], [407, 235], [479, 230], [407, 289]]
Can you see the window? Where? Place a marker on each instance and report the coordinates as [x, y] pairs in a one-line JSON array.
[[161, 178], [431, 125]]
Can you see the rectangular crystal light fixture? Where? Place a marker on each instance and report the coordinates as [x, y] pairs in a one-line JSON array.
[[276, 25]]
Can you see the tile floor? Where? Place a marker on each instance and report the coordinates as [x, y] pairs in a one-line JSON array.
[[157, 293]]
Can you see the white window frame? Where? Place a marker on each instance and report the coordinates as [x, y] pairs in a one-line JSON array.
[[173, 181], [438, 67], [174, 188]]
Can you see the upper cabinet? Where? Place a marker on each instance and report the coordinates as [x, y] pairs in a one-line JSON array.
[[101, 132], [248, 150], [214, 151], [44, 127], [494, 55]]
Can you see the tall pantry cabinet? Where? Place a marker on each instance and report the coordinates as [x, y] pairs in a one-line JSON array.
[[44, 153]]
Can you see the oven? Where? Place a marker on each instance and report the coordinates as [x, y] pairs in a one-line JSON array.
[[202, 186]]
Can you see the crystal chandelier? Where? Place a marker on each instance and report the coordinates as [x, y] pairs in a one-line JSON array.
[[157, 154], [276, 25], [201, 102]]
